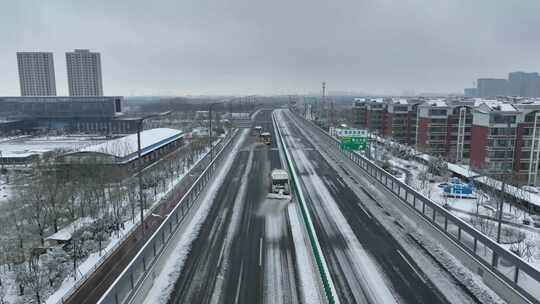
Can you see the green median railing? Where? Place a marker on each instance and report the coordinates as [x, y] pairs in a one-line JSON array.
[[321, 265]]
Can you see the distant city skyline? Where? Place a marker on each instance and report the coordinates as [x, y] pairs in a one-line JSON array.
[[243, 48], [519, 83]]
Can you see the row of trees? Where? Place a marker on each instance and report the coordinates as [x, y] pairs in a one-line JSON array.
[[99, 198]]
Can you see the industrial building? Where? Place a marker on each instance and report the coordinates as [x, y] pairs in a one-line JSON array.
[[89, 114], [123, 151]]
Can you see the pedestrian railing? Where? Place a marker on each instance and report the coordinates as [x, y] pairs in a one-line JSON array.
[[507, 266], [125, 286]]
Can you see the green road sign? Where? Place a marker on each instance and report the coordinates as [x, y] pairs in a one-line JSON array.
[[354, 143]]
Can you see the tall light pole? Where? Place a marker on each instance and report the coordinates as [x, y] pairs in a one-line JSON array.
[[140, 164], [211, 139]]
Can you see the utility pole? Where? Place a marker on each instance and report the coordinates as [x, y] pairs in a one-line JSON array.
[[139, 175], [332, 113], [210, 130], [140, 166], [323, 106]]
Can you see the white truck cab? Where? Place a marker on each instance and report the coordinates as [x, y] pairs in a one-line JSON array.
[[280, 182]]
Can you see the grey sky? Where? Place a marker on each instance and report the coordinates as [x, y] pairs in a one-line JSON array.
[[279, 46]]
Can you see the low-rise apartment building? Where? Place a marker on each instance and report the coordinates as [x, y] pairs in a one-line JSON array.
[[401, 119], [444, 128], [507, 140], [499, 137], [389, 117], [370, 114]]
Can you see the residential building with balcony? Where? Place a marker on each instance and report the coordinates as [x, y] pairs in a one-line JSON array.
[[400, 120], [444, 128]]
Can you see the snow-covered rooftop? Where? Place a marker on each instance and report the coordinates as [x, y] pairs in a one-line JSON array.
[[495, 105], [66, 233], [436, 103], [401, 101], [24, 146], [127, 146]]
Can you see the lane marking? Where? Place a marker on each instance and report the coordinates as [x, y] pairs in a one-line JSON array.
[[361, 207], [410, 265], [260, 252]]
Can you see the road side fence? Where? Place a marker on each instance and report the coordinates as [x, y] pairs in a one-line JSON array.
[[307, 222], [125, 286], [506, 265]]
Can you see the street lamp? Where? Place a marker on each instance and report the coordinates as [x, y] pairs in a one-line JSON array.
[[140, 165], [210, 128]]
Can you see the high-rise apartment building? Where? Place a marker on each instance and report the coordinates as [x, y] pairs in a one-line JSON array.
[[84, 73], [36, 73], [470, 92], [524, 84], [492, 87]]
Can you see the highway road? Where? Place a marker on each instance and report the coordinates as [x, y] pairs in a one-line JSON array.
[[366, 263], [245, 251]]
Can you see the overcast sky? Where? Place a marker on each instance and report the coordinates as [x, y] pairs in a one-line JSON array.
[[276, 46]]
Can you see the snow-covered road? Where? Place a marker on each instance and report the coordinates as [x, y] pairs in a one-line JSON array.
[[366, 263], [246, 248]]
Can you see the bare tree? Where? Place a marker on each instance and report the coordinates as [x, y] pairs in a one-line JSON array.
[[35, 277], [524, 248], [34, 210]]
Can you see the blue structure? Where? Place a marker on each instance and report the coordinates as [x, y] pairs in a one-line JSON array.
[[456, 188]]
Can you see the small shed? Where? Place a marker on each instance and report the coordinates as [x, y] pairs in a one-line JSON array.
[[65, 234]]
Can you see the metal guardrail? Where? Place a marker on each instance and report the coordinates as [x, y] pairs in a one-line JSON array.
[[328, 290], [113, 249], [124, 287], [506, 265]]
